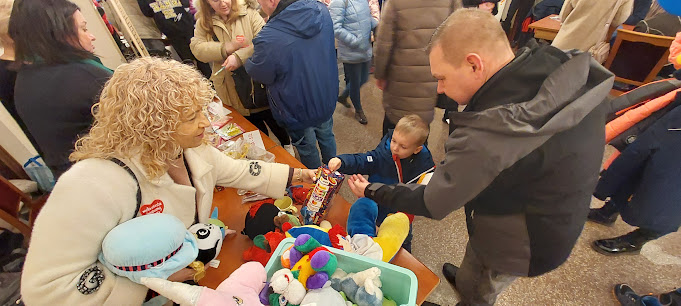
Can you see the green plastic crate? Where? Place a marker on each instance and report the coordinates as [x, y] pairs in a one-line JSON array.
[[399, 284]]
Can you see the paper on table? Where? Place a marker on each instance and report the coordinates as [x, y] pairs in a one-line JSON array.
[[254, 138], [217, 109]]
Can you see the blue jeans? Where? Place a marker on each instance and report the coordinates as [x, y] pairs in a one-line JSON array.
[[306, 140], [355, 76]]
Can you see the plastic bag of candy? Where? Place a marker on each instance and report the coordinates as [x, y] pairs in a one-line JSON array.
[[229, 131], [319, 199]]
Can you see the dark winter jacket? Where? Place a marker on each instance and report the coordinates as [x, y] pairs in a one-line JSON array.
[[523, 159], [55, 103], [639, 12], [380, 166], [172, 17], [643, 180], [294, 56]]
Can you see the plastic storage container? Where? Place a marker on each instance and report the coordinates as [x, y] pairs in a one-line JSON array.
[[38, 172], [399, 284]]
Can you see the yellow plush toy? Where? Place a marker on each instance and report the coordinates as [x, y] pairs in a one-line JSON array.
[[391, 234]]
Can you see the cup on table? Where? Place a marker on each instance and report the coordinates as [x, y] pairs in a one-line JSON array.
[[285, 204]]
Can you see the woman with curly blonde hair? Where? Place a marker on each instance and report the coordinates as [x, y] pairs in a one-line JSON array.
[[224, 30], [144, 154]]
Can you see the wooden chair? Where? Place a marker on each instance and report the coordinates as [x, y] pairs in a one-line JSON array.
[[636, 58], [10, 198]]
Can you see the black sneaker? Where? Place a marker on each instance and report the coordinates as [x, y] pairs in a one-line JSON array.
[[344, 101], [361, 117], [606, 215], [630, 243], [449, 271], [625, 295], [671, 298]]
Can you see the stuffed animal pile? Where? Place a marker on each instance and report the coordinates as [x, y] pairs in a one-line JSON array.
[[310, 276]]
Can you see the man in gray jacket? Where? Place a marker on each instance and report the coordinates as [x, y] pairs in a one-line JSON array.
[[523, 157]]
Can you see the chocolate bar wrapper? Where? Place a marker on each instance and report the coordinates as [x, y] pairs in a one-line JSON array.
[[319, 198]]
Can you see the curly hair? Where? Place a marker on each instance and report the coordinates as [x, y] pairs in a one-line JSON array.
[[139, 110]]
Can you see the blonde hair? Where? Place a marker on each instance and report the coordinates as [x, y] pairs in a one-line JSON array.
[[415, 126], [469, 30], [5, 11], [204, 15], [139, 110]]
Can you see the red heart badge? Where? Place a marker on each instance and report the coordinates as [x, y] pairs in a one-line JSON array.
[[156, 207]]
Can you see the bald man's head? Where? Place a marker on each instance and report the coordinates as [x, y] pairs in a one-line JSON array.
[[469, 30], [465, 51]]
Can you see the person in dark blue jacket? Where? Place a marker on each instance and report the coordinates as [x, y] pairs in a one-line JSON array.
[[400, 157], [642, 185], [294, 56]]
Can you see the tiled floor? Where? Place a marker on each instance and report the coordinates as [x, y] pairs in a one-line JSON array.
[[586, 278]]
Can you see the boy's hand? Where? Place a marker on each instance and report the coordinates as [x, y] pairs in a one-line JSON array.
[[334, 164], [358, 184]]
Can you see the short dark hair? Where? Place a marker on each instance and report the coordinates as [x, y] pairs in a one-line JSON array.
[[44, 31]]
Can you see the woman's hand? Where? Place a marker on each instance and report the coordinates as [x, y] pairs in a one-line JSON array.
[[306, 175], [182, 275], [231, 63], [231, 46], [358, 184]]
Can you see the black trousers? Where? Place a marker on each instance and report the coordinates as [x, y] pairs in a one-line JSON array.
[[264, 119], [181, 46]]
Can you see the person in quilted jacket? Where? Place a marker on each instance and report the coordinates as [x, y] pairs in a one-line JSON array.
[[352, 25]]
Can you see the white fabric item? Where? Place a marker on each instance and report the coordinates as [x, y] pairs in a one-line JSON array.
[[362, 245], [26, 186], [181, 293]]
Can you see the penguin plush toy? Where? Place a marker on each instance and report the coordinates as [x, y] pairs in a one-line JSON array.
[[209, 237]]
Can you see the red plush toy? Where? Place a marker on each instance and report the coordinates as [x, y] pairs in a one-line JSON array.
[[263, 248]]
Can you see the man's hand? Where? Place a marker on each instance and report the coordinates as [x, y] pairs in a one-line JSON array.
[[381, 84], [231, 63], [357, 184], [182, 275], [334, 163]]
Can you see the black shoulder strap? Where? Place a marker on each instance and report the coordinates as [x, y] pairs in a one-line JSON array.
[[139, 190]]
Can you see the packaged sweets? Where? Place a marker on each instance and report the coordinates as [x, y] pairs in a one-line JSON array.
[[229, 131], [319, 199]]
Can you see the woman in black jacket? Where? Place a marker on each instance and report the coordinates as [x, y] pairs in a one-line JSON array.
[[60, 77]]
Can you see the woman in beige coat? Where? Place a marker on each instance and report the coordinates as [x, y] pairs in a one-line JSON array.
[[583, 22], [219, 24], [401, 65]]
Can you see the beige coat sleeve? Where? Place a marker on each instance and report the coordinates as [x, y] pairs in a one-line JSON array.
[[204, 48], [385, 39], [256, 23], [267, 178], [67, 239], [567, 8], [623, 13]]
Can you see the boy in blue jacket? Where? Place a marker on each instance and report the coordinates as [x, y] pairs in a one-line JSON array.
[[400, 157]]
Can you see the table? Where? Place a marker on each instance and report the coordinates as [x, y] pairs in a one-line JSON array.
[[546, 28], [232, 212]]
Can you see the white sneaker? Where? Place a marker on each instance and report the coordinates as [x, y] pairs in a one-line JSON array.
[[289, 149]]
